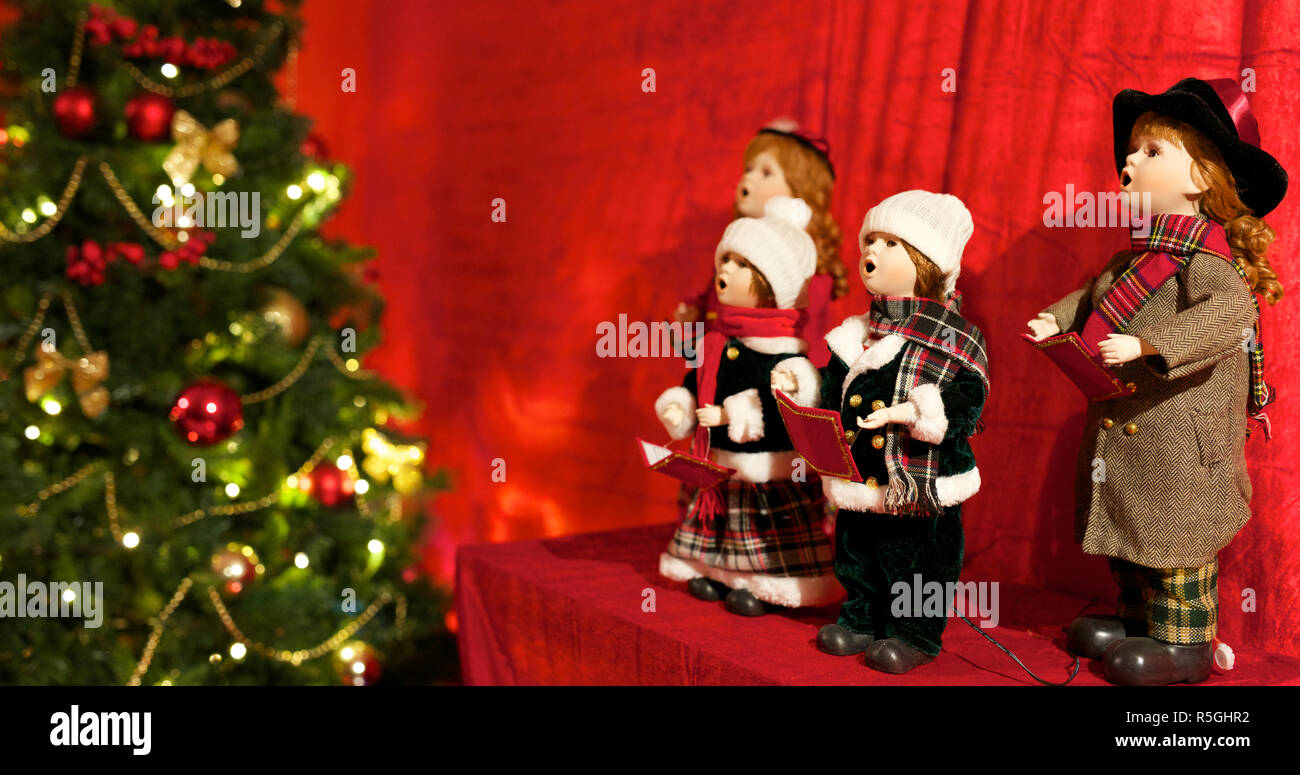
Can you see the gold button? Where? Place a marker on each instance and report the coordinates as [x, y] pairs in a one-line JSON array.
[[855, 400], [1131, 386], [732, 353], [877, 405], [1131, 428], [711, 315], [849, 436], [877, 441], [872, 483], [1107, 423]]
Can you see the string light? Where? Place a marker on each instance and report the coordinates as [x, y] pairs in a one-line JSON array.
[[361, 486], [375, 546], [344, 461], [232, 490], [29, 214], [131, 540], [32, 432], [169, 70], [51, 406], [316, 181], [48, 208], [238, 650], [300, 560], [294, 191]]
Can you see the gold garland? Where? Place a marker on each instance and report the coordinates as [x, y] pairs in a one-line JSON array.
[[358, 373], [20, 355], [110, 505], [287, 381], [266, 259], [78, 44], [215, 82], [261, 503], [297, 657], [142, 666], [69, 191], [30, 509]]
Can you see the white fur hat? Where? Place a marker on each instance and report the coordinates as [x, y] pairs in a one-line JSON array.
[[938, 225], [777, 245]]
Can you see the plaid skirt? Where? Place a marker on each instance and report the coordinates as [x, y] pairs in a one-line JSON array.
[[773, 528]]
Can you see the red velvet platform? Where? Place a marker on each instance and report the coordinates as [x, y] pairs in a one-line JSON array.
[[569, 611]]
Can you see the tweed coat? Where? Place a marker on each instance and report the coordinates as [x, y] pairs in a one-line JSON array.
[[1161, 477]]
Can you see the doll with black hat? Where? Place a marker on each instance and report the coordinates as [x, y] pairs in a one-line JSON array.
[[1161, 483]]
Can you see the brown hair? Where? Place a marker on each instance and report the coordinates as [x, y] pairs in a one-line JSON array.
[[1249, 236], [758, 284], [810, 180], [929, 278]]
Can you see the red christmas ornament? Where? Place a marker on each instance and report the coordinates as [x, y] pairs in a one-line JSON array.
[[207, 412], [357, 663], [236, 566], [75, 111], [149, 116], [330, 486]]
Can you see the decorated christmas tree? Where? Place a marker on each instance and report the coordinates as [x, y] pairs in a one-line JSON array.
[[199, 482]]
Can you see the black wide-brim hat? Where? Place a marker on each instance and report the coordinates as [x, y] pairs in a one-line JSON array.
[[1219, 110]]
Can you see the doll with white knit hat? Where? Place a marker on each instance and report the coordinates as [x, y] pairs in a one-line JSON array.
[[756, 539], [909, 379]]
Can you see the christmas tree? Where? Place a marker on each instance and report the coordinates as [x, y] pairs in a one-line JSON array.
[[199, 482]]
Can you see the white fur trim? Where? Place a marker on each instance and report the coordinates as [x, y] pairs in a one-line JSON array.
[[931, 422], [878, 352], [785, 591], [758, 466], [808, 380], [683, 398], [845, 340], [744, 416], [775, 345], [859, 497]]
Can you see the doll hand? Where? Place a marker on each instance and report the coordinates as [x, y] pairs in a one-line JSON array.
[[711, 415], [1119, 348], [785, 381], [686, 313], [672, 414], [1044, 326], [899, 413]]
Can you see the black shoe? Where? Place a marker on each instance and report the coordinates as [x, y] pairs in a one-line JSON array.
[[892, 655], [1150, 662], [740, 601], [706, 589], [841, 641], [1090, 635]]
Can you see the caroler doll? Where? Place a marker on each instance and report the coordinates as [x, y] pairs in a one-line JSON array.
[[756, 538], [909, 379], [780, 161], [1161, 483]]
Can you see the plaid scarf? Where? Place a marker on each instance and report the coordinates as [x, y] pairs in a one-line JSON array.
[[939, 343], [1171, 243]]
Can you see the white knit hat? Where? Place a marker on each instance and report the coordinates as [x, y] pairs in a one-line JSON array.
[[938, 225], [777, 245]]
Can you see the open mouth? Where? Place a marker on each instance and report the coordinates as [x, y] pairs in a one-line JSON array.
[[722, 284], [744, 191], [1124, 180], [870, 266]]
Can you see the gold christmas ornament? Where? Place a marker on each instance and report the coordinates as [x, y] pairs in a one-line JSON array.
[[400, 462], [87, 372], [285, 312], [196, 144]]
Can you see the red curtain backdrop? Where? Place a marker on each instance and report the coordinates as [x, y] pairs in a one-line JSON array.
[[615, 199]]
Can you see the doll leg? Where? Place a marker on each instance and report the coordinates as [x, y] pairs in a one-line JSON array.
[[854, 567], [930, 548], [1182, 607], [1090, 634]]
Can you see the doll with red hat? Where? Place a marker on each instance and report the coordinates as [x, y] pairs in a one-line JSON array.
[[757, 539], [1161, 483]]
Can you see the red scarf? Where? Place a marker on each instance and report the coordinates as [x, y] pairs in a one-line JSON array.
[[739, 322]]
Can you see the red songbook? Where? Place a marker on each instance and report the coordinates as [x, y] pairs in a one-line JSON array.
[[818, 437], [694, 471], [1082, 365]]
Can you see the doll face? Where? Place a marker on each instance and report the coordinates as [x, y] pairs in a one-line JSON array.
[[1164, 170], [734, 281], [886, 268], [763, 179]]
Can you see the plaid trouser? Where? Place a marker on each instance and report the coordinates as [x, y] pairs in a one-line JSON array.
[[1178, 605]]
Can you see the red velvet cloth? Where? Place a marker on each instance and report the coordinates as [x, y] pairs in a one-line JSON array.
[[616, 199], [570, 610]]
